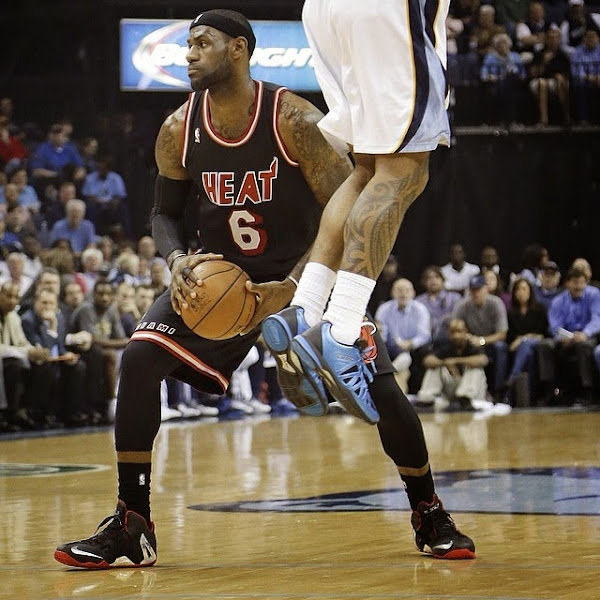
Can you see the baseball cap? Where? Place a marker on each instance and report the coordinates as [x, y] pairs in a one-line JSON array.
[[477, 282], [550, 266]]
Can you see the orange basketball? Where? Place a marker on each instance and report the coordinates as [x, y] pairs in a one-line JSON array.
[[222, 306]]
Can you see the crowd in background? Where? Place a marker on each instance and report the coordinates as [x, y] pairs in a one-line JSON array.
[[531, 61], [78, 269], [479, 335]]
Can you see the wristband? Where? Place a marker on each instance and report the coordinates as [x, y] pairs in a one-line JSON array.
[[293, 280], [175, 258]]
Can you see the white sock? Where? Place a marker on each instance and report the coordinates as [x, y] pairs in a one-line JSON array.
[[348, 306], [313, 291]]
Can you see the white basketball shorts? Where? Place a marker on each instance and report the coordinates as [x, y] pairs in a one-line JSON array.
[[381, 67]]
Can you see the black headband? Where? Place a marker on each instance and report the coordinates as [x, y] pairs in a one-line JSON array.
[[214, 18]]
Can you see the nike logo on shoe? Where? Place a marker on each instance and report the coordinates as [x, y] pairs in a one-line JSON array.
[[443, 546], [76, 550], [147, 549]]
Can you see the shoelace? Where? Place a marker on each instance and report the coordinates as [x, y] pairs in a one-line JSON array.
[[105, 528], [439, 520], [356, 376]]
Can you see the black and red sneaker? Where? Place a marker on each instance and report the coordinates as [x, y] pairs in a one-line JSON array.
[[123, 539], [436, 533]]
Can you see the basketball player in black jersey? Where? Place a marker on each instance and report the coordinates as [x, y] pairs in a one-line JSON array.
[[261, 170]]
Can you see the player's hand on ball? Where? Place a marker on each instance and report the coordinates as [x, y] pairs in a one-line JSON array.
[[271, 297], [183, 279]]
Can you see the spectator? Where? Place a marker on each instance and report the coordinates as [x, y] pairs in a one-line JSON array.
[[104, 193], [406, 330], [48, 278], [54, 385], [9, 242], [530, 34], [15, 264], [527, 325], [91, 264], [12, 150], [55, 208], [490, 260], [53, 157], [101, 319], [32, 264], [458, 272], [146, 250], [584, 265], [72, 298], [484, 32], [549, 72], [382, 291], [159, 274], [574, 318], [127, 269], [578, 20], [88, 150], [107, 246], [16, 354], [437, 300], [496, 288], [27, 196], [454, 370], [535, 256], [127, 308], [18, 218], [585, 76], [486, 320], [144, 298], [461, 18], [511, 12], [74, 227], [548, 287], [503, 73]]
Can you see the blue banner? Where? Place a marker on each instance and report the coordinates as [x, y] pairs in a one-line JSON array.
[[153, 55]]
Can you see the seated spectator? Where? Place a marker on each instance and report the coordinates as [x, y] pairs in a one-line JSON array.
[[15, 264], [549, 286], [104, 193], [577, 21], [12, 150], [496, 288], [503, 73], [490, 261], [71, 298], [54, 385], [382, 292], [26, 194], [486, 320], [454, 370], [511, 12], [584, 265], [535, 256], [406, 330], [54, 157], [17, 354], [127, 269], [527, 325], [549, 73], [146, 250], [107, 246], [585, 77], [437, 300], [18, 218], [159, 277], [484, 31], [530, 34], [48, 278], [127, 308], [100, 318], [462, 16], [74, 227], [89, 150], [32, 263], [574, 318], [144, 298], [9, 242], [91, 264], [458, 272], [55, 208]]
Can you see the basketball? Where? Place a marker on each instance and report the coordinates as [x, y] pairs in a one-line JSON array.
[[222, 306]]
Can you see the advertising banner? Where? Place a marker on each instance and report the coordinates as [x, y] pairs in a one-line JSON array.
[[153, 55]]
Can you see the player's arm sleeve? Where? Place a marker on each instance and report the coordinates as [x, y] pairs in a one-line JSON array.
[[170, 197]]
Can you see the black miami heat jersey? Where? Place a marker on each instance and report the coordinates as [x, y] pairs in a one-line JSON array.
[[254, 204]]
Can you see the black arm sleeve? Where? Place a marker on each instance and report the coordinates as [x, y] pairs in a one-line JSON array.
[[170, 197]]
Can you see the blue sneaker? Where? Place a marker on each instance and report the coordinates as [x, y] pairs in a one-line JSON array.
[[341, 368], [305, 392]]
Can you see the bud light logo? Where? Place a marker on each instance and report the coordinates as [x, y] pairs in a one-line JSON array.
[[153, 55]]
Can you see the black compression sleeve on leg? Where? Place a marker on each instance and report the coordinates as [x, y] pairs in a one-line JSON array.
[[170, 198]]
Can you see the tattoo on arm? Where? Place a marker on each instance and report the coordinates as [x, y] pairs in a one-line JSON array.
[[168, 146]]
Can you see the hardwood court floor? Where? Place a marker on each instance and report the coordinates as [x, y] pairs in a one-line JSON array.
[[283, 511]]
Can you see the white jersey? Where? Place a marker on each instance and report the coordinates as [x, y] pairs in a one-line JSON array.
[[381, 67]]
